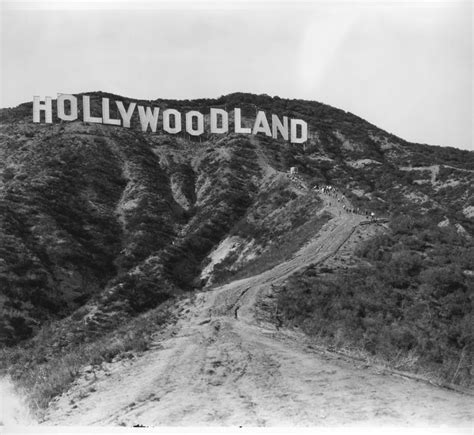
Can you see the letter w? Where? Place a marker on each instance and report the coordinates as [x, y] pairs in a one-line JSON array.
[[148, 118]]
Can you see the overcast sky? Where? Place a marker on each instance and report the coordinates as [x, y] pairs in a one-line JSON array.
[[406, 67]]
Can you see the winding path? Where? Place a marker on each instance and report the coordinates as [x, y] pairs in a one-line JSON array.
[[220, 366]]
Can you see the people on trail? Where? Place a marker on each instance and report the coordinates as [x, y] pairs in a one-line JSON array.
[[333, 192]]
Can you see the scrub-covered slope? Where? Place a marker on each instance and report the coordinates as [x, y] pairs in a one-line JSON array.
[[103, 227]]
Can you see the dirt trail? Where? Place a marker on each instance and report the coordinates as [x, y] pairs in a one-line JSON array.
[[220, 366]]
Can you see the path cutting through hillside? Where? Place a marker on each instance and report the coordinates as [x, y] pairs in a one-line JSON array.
[[220, 366]]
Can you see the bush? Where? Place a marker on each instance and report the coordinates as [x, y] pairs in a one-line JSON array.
[[410, 302]]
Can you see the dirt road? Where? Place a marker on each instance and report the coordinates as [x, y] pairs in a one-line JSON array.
[[219, 365]]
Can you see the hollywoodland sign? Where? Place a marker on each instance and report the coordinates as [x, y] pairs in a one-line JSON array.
[[170, 120]]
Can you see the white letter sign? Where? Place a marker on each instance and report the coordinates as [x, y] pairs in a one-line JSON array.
[[126, 114], [73, 105], [196, 124], [238, 123], [277, 126], [46, 106], [294, 130], [166, 121], [261, 124], [86, 107], [148, 118], [224, 128], [106, 113], [189, 123]]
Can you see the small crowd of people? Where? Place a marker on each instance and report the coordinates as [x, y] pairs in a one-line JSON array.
[[333, 192], [339, 197]]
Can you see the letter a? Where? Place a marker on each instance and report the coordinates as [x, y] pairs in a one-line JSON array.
[[261, 124]]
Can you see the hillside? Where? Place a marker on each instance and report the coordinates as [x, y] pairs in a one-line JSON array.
[[104, 230]]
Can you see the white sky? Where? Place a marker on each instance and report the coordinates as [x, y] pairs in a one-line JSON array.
[[403, 66]]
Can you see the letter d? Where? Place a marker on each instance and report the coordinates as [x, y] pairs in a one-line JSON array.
[[294, 131]]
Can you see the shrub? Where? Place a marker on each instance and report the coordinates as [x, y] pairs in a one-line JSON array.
[[404, 305]]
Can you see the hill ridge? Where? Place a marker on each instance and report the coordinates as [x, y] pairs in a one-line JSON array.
[[103, 229]]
